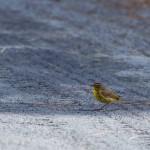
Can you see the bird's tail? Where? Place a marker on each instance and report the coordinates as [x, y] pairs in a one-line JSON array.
[[124, 101]]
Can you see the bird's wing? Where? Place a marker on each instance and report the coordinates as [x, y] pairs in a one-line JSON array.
[[109, 94]]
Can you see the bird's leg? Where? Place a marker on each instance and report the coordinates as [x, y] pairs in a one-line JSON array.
[[106, 105]]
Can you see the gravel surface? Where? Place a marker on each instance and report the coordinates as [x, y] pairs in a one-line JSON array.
[[51, 51]]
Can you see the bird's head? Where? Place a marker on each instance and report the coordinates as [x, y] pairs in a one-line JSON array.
[[98, 86]]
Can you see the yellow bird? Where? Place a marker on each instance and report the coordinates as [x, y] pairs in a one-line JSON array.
[[104, 95]]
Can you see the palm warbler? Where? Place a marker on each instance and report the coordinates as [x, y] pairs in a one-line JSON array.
[[104, 95]]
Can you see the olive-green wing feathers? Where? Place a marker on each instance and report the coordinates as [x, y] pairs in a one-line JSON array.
[[109, 94]]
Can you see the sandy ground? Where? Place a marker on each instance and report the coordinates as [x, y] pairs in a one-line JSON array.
[[50, 54]]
